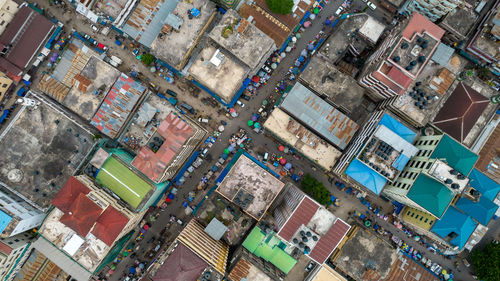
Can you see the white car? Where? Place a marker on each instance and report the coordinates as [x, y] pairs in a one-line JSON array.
[[339, 11], [371, 5], [240, 103]]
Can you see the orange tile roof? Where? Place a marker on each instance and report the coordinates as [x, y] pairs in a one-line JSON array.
[[82, 215], [109, 225], [68, 194], [419, 23], [176, 132]]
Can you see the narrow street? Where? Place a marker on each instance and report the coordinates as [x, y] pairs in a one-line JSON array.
[[259, 141]]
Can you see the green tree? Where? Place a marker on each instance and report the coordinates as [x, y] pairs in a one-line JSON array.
[[486, 262], [282, 7], [147, 59], [315, 189]]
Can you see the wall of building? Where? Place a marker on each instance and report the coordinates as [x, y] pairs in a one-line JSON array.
[[8, 9], [11, 262], [24, 215], [5, 84]]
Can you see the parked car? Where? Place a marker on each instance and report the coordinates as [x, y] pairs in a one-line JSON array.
[[188, 108], [94, 28], [203, 120], [339, 11], [371, 5], [102, 46], [240, 103], [267, 69], [310, 266], [245, 97], [172, 93]]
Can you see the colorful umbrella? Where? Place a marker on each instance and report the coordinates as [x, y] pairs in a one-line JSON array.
[[307, 24], [226, 151], [303, 53], [283, 55], [281, 148], [214, 168], [256, 79], [168, 200], [294, 39], [224, 156], [295, 70], [288, 49], [301, 58], [316, 10], [282, 161], [146, 227], [297, 63], [312, 16], [288, 166], [254, 118], [264, 102], [230, 148], [221, 128], [250, 123], [231, 110], [298, 35], [132, 270], [256, 125], [274, 66], [171, 196], [310, 47]]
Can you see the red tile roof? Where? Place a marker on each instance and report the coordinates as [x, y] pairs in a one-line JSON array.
[[109, 224], [82, 215], [68, 193], [419, 23], [399, 77], [25, 33], [383, 79], [329, 241], [175, 132], [5, 249], [461, 112], [301, 216], [182, 264]]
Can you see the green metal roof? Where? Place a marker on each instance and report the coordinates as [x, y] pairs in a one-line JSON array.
[[123, 182], [267, 247], [430, 194], [457, 156]]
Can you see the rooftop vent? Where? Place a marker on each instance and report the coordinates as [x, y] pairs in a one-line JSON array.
[[448, 181], [413, 63], [396, 59], [461, 177], [453, 172], [455, 185], [404, 46], [421, 59]]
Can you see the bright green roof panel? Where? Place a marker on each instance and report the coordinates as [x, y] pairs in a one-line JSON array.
[[253, 239], [266, 247], [457, 156], [430, 194], [123, 182]]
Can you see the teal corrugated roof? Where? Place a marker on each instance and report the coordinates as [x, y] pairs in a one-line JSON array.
[[482, 211], [398, 128], [430, 194], [456, 222], [484, 184], [367, 177], [4, 221], [457, 156]]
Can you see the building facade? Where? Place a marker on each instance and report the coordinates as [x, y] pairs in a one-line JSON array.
[[16, 215], [8, 9], [400, 58], [13, 251], [5, 84], [432, 9]]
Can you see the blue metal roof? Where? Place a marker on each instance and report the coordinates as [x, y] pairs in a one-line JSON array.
[[147, 21], [482, 211], [442, 54], [4, 221], [401, 162], [398, 128], [366, 176], [454, 221], [482, 183]]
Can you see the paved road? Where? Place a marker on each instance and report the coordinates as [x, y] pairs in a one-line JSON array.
[[259, 141]]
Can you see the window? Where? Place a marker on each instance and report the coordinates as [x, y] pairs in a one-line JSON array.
[[5, 85], [412, 214], [422, 165], [408, 213], [17, 240], [421, 218], [426, 220], [429, 165], [431, 222]]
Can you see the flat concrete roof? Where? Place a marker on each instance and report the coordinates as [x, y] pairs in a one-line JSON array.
[[111, 7], [372, 29], [83, 100], [306, 142], [225, 79], [41, 151], [248, 180], [173, 47], [324, 78], [374, 253], [246, 42], [460, 20]]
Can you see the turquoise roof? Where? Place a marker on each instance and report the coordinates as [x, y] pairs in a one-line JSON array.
[[485, 185], [482, 211], [457, 156], [4, 221], [456, 222], [398, 128], [367, 177], [430, 195]]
